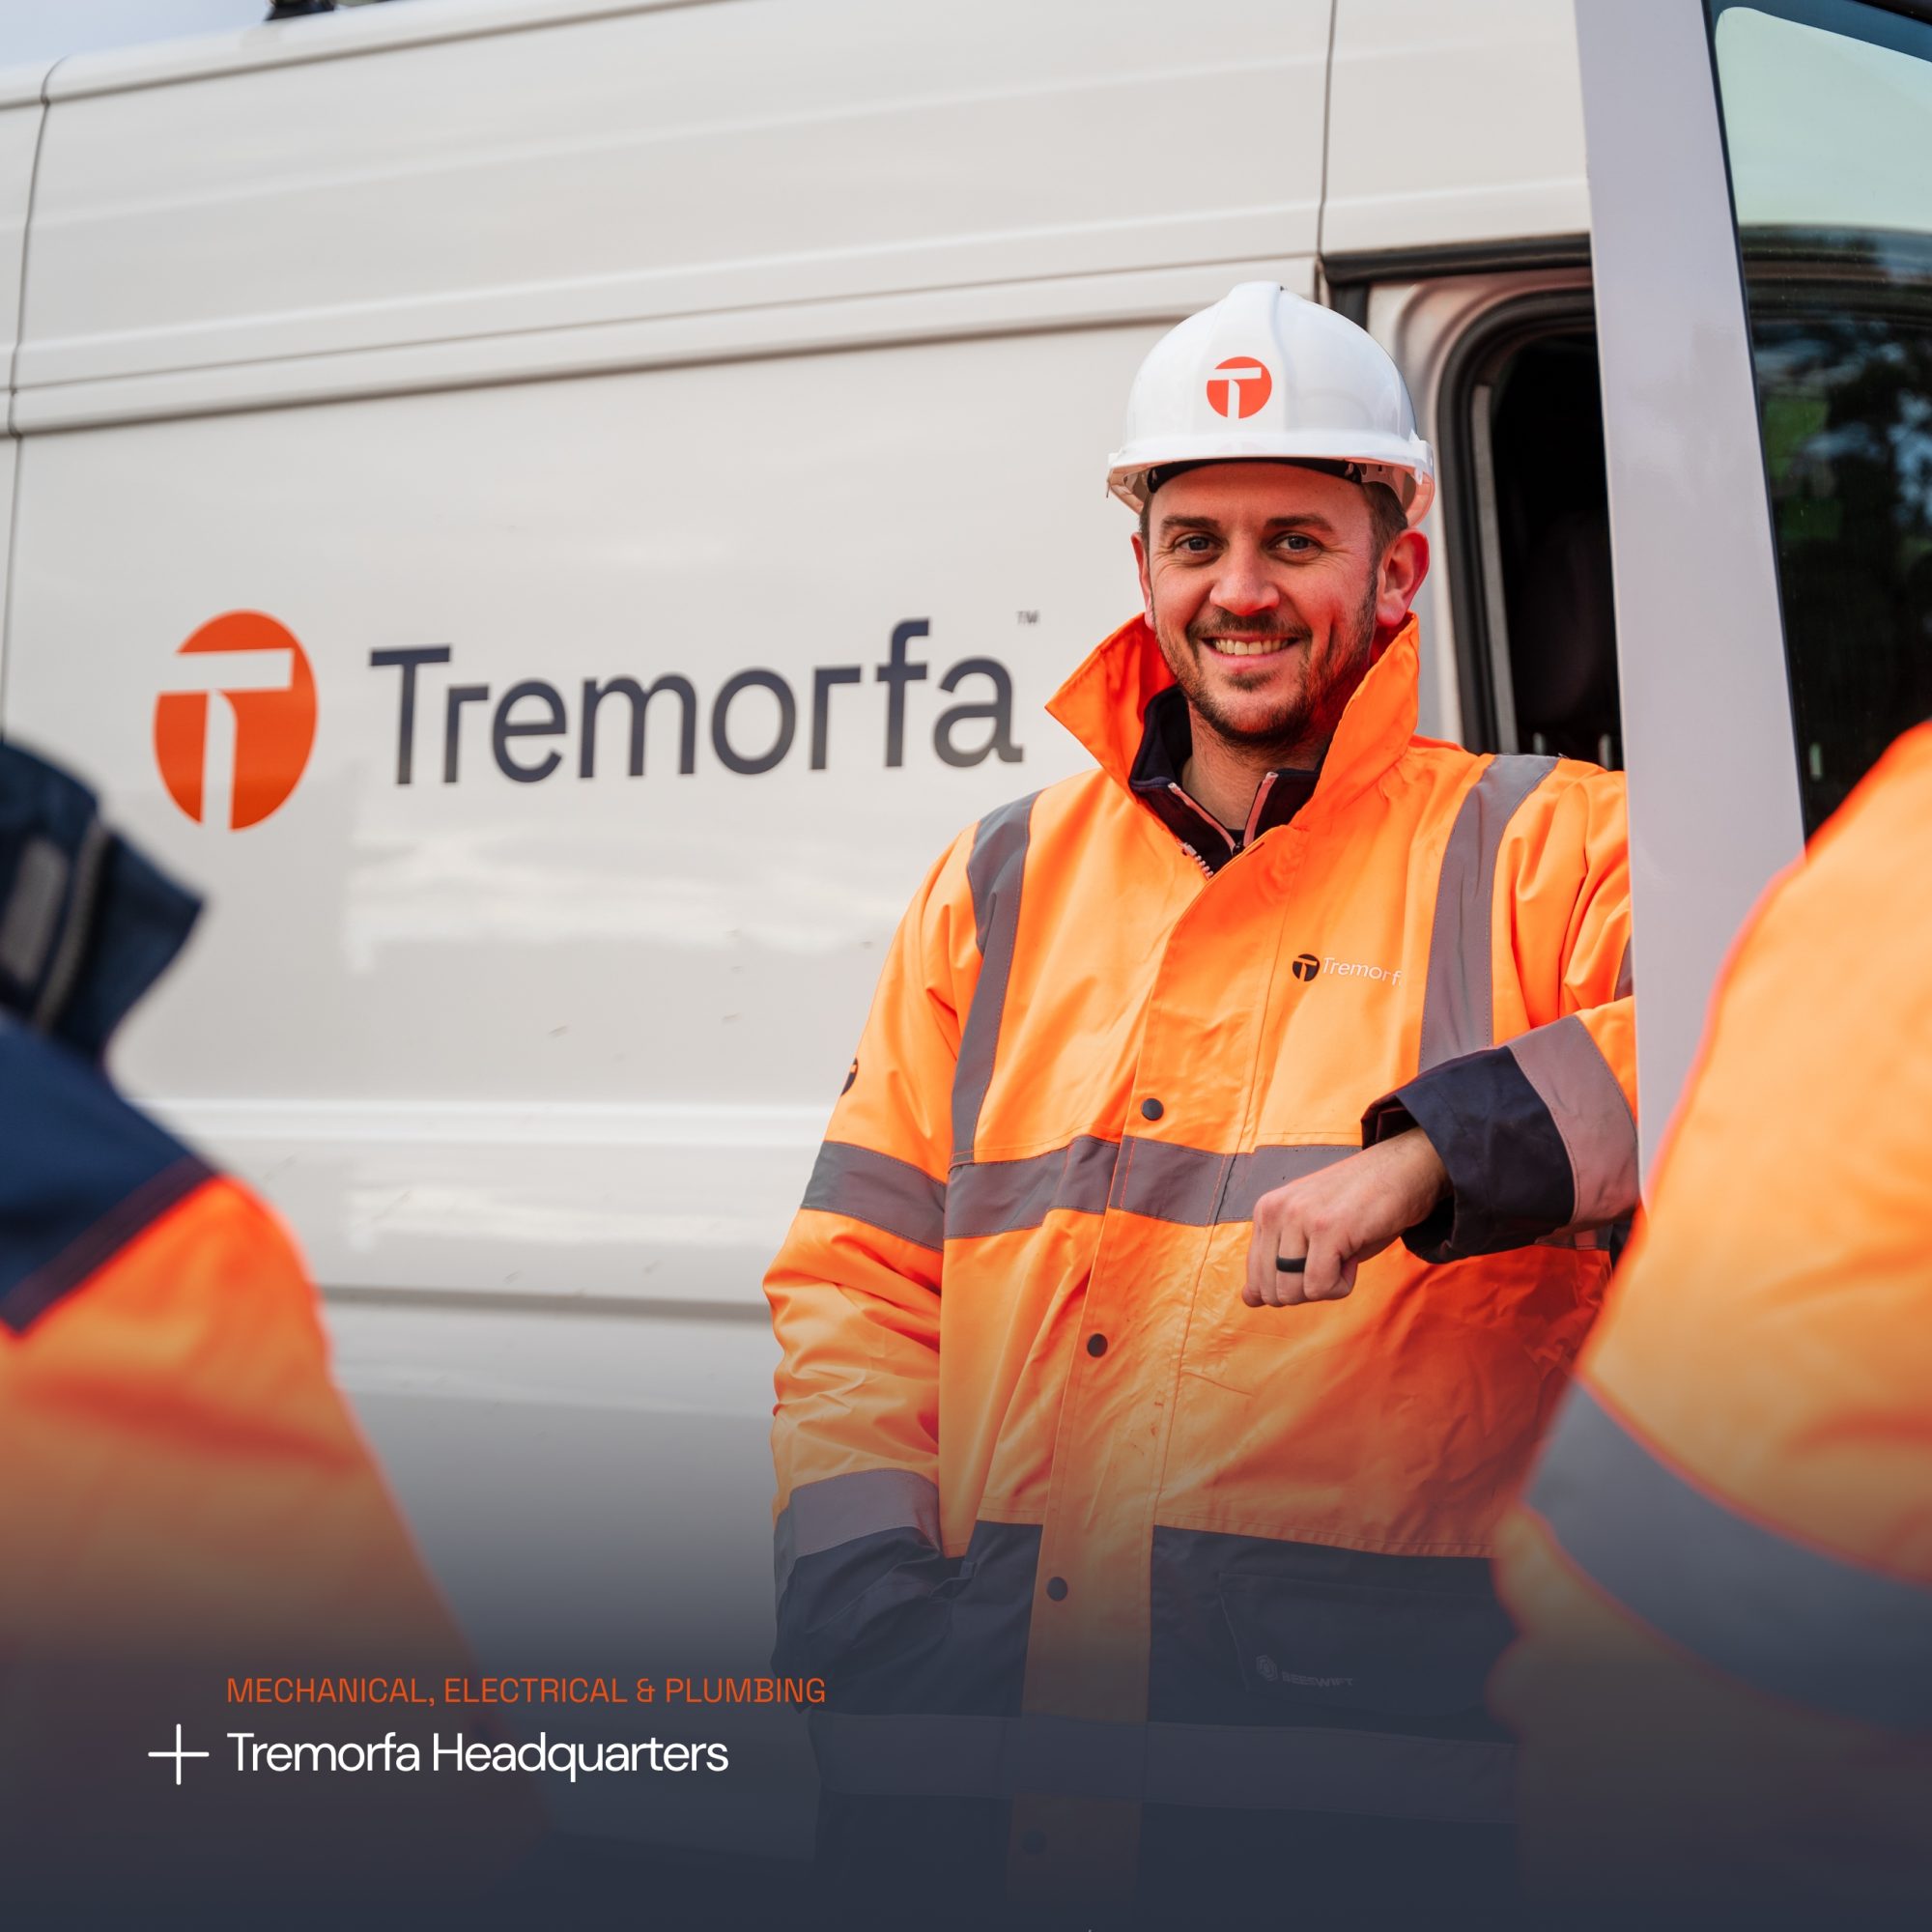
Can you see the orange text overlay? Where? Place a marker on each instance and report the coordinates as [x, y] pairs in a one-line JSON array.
[[527, 1690]]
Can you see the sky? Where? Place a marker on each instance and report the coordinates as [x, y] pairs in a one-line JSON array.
[[39, 30]]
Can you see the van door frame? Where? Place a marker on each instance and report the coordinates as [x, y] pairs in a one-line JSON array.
[[1707, 736], [1476, 586]]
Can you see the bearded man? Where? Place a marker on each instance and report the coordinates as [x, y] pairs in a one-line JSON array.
[[1203, 1237]]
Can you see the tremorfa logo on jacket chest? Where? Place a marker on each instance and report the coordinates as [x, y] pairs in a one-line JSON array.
[[1307, 966]]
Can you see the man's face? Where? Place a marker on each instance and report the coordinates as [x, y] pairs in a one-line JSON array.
[[1263, 585]]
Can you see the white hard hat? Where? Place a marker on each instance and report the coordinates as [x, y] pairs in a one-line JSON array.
[[1262, 374]]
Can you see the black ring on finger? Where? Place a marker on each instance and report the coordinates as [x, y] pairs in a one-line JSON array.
[[1284, 1265]]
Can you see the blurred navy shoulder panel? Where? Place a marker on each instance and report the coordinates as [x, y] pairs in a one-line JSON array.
[[81, 1173]]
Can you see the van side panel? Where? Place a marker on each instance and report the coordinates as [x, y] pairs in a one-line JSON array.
[[693, 160], [20, 112], [10, 476], [20, 134], [1453, 125], [553, 992]]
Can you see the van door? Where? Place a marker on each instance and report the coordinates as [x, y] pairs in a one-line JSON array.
[[1761, 207]]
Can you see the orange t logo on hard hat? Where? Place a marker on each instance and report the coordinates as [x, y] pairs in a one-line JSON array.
[[235, 721], [1239, 386], [1335, 398]]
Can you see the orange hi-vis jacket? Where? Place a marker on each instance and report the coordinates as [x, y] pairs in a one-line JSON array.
[[165, 1374], [185, 1496], [1723, 1563], [1043, 1476]]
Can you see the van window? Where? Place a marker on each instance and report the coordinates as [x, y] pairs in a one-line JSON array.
[[1535, 621], [1827, 125]]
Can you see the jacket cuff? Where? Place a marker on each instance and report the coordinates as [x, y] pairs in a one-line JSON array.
[[1510, 1177], [857, 1555]]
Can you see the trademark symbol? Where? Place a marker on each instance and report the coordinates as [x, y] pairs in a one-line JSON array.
[[1027, 616]]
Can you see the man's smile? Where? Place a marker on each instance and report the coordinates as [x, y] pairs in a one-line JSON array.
[[1247, 647]]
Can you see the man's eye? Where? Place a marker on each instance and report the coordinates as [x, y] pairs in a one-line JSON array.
[[1194, 546], [1296, 544]]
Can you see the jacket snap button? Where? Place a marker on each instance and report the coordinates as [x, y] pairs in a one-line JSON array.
[[1151, 1110], [1033, 1841], [1096, 1344], [1055, 1587]]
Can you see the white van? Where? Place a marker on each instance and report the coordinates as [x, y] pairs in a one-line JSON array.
[[552, 512]]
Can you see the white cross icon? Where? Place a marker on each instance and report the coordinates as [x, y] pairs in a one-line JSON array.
[[178, 1754]]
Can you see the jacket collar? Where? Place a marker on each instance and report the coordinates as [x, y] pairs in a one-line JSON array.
[[1114, 705]]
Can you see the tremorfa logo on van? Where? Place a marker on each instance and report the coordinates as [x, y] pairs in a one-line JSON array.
[[235, 721], [754, 720]]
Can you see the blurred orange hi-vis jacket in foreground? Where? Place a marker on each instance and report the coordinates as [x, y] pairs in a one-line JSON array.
[[1043, 1476], [164, 1377], [183, 1494], [1723, 1565]]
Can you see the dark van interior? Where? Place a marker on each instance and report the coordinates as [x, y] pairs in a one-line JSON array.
[[1523, 467]]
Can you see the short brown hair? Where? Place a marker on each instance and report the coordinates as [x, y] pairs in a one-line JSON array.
[[1387, 519]]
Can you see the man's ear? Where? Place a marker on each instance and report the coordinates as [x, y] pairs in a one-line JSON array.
[[1147, 582], [1403, 567]]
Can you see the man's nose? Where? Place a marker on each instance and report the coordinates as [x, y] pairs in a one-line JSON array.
[[1245, 586]]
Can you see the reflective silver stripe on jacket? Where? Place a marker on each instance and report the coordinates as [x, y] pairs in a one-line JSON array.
[[1161, 1180], [1591, 1114], [1002, 1197], [880, 1190], [1783, 1616], [33, 911], [1241, 1766], [48, 919], [1457, 1009], [821, 1515], [995, 873]]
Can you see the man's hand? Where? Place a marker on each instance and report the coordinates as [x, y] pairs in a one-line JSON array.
[[1336, 1219]]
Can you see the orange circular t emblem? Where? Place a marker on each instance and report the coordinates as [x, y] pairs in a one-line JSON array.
[[1239, 386], [235, 720]]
